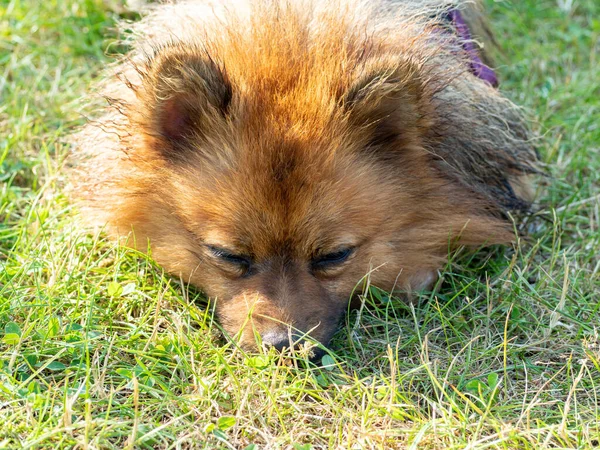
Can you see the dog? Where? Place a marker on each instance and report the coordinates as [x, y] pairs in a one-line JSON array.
[[273, 152]]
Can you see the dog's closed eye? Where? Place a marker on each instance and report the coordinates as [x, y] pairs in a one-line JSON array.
[[236, 261], [331, 260]]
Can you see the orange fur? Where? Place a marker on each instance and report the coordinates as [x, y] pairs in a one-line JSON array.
[[284, 131]]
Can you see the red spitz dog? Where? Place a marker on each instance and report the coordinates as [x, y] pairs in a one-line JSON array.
[[272, 152]]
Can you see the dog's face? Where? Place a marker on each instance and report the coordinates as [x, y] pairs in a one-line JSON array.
[[281, 243], [283, 247]]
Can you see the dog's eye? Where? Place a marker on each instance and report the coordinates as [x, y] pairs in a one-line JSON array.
[[331, 260], [241, 261]]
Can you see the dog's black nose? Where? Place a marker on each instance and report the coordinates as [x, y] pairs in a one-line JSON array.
[[279, 339]]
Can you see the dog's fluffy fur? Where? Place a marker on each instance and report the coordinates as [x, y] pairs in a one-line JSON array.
[[247, 140]]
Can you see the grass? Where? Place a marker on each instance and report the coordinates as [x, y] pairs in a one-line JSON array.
[[99, 349]]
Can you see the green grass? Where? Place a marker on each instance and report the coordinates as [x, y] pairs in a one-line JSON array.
[[99, 349]]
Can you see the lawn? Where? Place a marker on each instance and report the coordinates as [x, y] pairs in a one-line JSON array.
[[100, 349]]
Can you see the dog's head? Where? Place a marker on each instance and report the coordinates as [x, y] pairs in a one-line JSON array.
[[277, 177]]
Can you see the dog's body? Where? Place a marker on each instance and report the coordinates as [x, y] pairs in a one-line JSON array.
[[274, 152]]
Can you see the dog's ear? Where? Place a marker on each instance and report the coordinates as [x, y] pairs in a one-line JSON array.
[[388, 99], [184, 95]]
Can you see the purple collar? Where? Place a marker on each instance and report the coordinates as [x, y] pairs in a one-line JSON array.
[[478, 68]]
